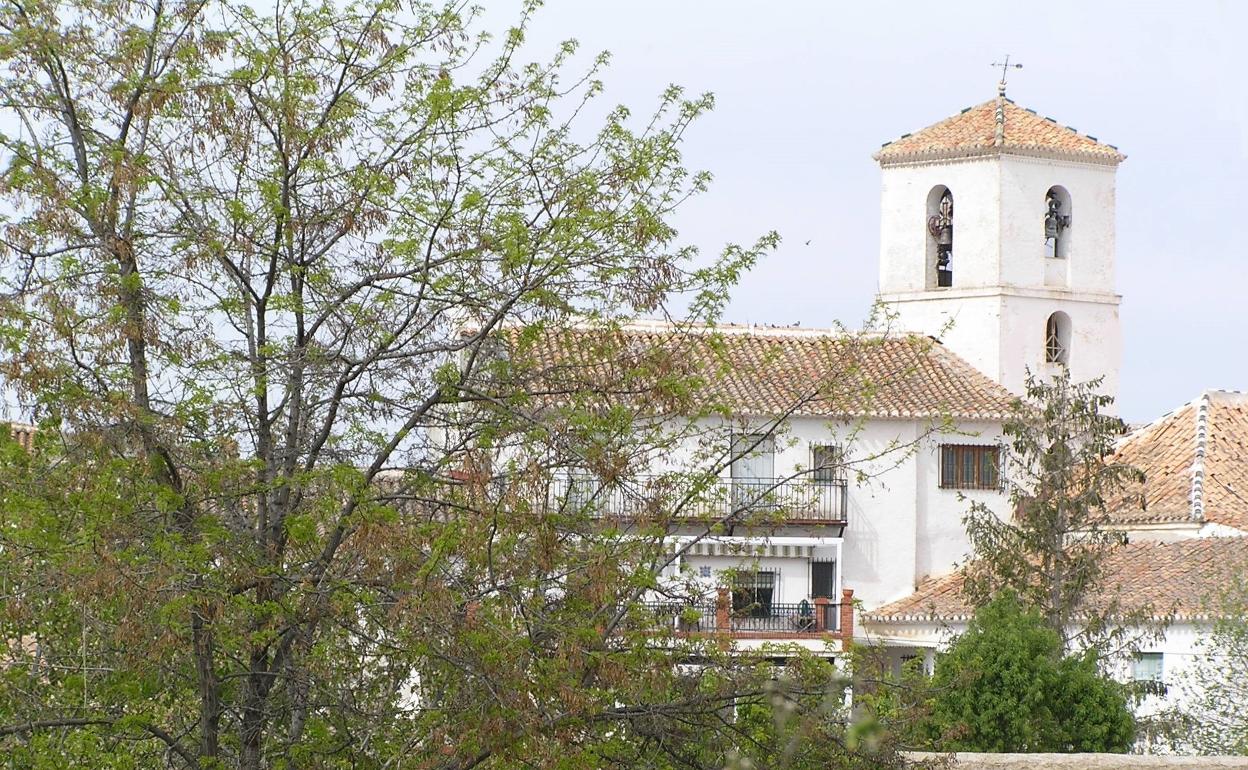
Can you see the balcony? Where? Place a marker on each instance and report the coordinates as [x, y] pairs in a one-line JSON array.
[[821, 617], [767, 500]]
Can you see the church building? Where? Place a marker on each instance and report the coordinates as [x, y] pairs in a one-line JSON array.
[[997, 238]]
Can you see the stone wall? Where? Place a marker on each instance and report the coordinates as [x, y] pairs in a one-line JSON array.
[[967, 761]]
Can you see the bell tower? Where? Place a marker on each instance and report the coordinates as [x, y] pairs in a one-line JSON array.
[[997, 237]]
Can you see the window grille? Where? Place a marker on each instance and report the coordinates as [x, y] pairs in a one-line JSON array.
[[968, 466], [827, 463], [1055, 351], [823, 579], [1147, 667], [752, 593]]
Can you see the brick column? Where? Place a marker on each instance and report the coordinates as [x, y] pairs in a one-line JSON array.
[[821, 613], [847, 614], [723, 606]]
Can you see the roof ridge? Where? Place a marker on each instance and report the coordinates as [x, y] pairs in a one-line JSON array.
[[758, 330], [1143, 430], [1198, 461]]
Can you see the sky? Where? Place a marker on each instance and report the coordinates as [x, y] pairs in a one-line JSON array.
[[807, 91]]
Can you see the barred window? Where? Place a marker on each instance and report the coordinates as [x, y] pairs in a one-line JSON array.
[[1057, 339], [752, 592], [967, 466], [826, 463], [1147, 667]]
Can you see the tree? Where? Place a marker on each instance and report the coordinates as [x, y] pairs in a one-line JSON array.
[[1212, 717], [290, 501], [1059, 471], [1005, 686]]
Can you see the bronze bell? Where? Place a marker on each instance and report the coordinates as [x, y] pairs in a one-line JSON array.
[[944, 236]]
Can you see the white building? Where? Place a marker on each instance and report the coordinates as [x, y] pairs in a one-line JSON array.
[[997, 237], [1014, 273], [846, 464], [997, 258], [1187, 531]]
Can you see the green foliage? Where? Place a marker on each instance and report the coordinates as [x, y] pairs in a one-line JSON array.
[[1005, 686], [1213, 718], [891, 701], [291, 503], [1050, 551]]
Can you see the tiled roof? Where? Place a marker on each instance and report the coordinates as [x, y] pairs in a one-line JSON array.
[[24, 435], [768, 371], [974, 132], [1182, 578], [1195, 464]]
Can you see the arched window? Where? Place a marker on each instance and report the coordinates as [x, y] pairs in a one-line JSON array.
[[1057, 339], [940, 237], [1056, 222]]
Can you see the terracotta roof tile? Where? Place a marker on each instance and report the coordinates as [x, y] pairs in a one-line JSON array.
[[1182, 577], [1195, 464], [973, 132], [766, 371]]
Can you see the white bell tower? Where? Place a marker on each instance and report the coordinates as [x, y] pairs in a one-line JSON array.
[[997, 237]]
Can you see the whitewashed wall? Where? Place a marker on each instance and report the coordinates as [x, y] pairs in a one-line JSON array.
[[1004, 288], [902, 526]]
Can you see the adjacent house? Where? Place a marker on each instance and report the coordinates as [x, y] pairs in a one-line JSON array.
[[845, 464], [1186, 528]]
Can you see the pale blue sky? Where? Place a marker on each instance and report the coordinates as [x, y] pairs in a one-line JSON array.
[[806, 91]]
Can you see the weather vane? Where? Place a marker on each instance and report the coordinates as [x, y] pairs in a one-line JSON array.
[[1005, 67]]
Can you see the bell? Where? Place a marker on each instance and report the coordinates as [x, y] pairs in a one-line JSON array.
[[1050, 227], [944, 236]]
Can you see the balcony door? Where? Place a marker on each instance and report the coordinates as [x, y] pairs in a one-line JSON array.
[[753, 468], [823, 580]]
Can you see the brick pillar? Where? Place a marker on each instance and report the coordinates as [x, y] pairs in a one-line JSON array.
[[847, 614], [821, 613], [723, 606]]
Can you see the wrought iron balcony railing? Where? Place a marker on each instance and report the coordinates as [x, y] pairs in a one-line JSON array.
[[788, 500], [819, 617]]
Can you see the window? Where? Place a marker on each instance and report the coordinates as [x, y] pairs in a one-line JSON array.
[[1147, 667], [1057, 339], [753, 456], [752, 592], [826, 463], [823, 580], [752, 469], [1056, 222], [966, 466], [940, 237]]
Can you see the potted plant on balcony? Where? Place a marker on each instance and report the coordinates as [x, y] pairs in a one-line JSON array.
[[689, 619]]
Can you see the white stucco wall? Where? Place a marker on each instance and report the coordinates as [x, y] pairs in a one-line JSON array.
[[1004, 288], [975, 186], [902, 526], [1181, 646], [1090, 249], [792, 574]]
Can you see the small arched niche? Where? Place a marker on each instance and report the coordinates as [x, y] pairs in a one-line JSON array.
[[1057, 339], [1057, 219], [939, 263]]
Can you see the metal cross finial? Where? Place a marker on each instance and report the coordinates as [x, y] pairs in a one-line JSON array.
[[1005, 67]]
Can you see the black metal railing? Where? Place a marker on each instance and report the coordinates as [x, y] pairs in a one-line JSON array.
[[708, 617], [680, 616], [800, 499]]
